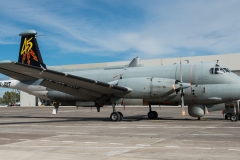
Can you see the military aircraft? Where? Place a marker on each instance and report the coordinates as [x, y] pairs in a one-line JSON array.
[[197, 85]]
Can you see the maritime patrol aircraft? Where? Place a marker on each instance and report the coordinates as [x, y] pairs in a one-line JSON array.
[[198, 85]]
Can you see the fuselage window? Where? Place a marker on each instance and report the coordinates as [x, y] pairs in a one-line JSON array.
[[211, 71], [219, 71], [226, 70], [222, 70], [216, 70]]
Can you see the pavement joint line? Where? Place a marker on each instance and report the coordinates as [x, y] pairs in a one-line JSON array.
[[203, 148], [138, 147], [197, 131], [230, 149], [120, 147], [91, 142], [78, 126], [172, 146], [59, 135], [146, 134], [146, 127], [71, 133], [6, 139], [67, 141], [63, 126], [116, 143], [45, 140], [202, 134], [143, 145], [192, 132]]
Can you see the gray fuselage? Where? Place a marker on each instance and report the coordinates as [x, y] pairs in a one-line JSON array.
[[206, 87]]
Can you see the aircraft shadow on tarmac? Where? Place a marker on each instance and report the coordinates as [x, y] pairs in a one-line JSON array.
[[47, 119]]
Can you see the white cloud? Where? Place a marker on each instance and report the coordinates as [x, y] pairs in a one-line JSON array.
[[163, 28]]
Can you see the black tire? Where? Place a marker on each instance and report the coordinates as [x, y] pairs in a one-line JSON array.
[[121, 116], [234, 118], [239, 117], [226, 116], [115, 116], [151, 115], [155, 114]]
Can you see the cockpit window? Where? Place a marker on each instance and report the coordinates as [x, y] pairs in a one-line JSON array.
[[226, 70], [211, 70], [217, 70], [221, 70]]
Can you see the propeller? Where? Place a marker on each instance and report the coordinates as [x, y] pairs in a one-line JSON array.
[[180, 86], [182, 94]]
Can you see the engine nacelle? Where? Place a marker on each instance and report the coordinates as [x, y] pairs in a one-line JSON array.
[[196, 110], [146, 87], [62, 97]]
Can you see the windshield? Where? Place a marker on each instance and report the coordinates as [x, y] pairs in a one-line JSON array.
[[226, 70], [218, 70]]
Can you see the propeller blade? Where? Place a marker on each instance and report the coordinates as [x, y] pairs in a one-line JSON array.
[[182, 86], [206, 109], [182, 104]]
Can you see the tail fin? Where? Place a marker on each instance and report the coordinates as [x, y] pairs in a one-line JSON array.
[[29, 52]]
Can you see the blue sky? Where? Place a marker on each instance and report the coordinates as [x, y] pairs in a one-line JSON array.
[[92, 31]]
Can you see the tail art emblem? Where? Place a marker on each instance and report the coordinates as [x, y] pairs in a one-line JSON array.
[[27, 51]]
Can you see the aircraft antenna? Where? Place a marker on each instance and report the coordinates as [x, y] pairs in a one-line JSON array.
[[180, 69], [40, 35]]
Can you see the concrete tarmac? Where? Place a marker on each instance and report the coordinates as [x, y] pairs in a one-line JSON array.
[[31, 133]]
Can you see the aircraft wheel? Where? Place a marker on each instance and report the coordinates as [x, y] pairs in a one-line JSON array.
[[115, 116], [156, 114], [152, 114], [226, 116], [121, 116], [234, 118]]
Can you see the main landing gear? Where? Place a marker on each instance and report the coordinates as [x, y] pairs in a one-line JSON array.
[[234, 118], [152, 114], [116, 115]]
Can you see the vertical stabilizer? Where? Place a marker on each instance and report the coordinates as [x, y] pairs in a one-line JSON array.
[[29, 52], [135, 62]]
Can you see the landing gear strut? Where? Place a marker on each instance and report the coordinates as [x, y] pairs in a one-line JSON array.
[[152, 114], [116, 115], [55, 109], [98, 108]]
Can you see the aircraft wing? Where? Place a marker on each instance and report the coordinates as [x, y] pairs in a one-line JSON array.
[[62, 81], [17, 76]]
